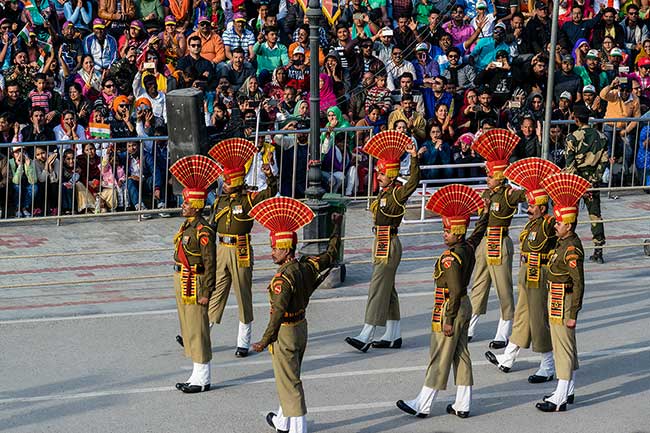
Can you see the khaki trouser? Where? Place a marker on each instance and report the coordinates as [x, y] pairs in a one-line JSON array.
[[383, 303], [288, 351], [194, 327], [229, 273], [501, 275], [444, 351], [565, 350], [531, 314]]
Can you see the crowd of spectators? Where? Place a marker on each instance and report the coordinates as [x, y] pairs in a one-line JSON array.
[[440, 71]]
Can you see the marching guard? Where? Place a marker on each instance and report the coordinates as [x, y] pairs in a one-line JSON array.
[[537, 239], [289, 292], [565, 286], [495, 252], [231, 220], [382, 308], [451, 309], [194, 269]]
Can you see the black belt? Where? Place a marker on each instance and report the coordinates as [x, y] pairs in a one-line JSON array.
[[228, 240], [199, 268], [504, 232], [393, 230], [293, 317]]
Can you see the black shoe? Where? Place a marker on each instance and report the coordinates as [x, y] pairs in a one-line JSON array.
[[597, 256], [241, 352], [179, 340], [384, 344], [469, 338], [570, 399], [181, 385], [539, 379], [269, 421], [496, 344], [458, 413], [193, 389], [493, 359], [359, 345], [547, 406], [408, 409]]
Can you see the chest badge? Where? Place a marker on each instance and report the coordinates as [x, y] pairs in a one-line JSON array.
[[186, 240], [532, 236], [494, 207], [237, 210]]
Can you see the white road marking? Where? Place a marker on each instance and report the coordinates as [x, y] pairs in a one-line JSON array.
[[380, 371], [619, 281]]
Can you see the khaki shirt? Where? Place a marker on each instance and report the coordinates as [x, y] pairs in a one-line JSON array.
[[504, 201], [566, 265], [196, 238], [389, 207]]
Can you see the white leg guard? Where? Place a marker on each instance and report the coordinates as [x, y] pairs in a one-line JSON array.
[[298, 424], [560, 394], [472, 325], [509, 356], [572, 384], [281, 422], [463, 398], [393, 331], [546, 366], [211, 325], [422, 403], [200, 374], [503, 330], [367, 333], [244, 335]]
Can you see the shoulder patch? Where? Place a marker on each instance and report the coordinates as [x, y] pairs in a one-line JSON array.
[[204, 240], [200, 226], [276, 286]]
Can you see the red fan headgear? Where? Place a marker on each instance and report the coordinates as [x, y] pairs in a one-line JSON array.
[[196, 173], [565, 190], [233, 154], [496, 146], [455, 203], [388, 147], [529, 174], [283, 216]]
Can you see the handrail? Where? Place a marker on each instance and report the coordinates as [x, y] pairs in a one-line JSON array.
[[84, 141]]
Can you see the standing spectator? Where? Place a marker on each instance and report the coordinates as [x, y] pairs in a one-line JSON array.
[[498, 78], [89, 78], [118, 13], [100, 46], [357, 108], [24, 181], [39, 96], [457, 27], [379, 94], [327, 95], [538, 29], [591, 73], [486, 49], [212, 48], [484, 20], [530, 139], [238, 36], [643, 157], [47, 172], [404, 36], [140, 171], [636, 31], [578, 28], [566, 80], [268, 52]]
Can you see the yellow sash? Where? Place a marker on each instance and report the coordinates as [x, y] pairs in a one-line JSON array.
[[556, 302], [440, 298], [243, 251], [382, 243], [494, 238]]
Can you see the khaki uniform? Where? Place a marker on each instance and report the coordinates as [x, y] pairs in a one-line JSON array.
[[286, 332], [531, 319], [388, 210], [194, 279], [586, 156], [230, 219], [452, 273], [566, 290], [495, 252]]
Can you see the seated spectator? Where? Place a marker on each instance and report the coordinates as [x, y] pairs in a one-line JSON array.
[[139, 169], [335, 120], [89, 78], [379, 95], [592, 101], [9, 129], [287, 103], [69, 129], [498, 78], [76, 102], [374, 119], [443, 118], [269, 54], [438, 152], [22, 73], [37, 129], [580, 51], [406, 82], [463, 75], [484, 111], [483, 19], [566, 80], [47, 172], [336, 168], [147, 87], [238, 36], [109, 91], [405, 162], [289, 144], [359, 95], [608, 26], [535, 106], [464, 154], [327, 95], [302, 41], [4, 179], [538, 28], [436, 95], [486, 49], [238, 70], [173, 42], [333, 67], [415, 122], [457, 27], [118, 14], [123, 71], [530, 140], [154, 65], [71, 48], [642, 77], [212, 48], [396, 67], [101, 47], [24, 182], [203, 67], [79, 14], [135, 37], [150, 12], [121, 125], [14, 103]]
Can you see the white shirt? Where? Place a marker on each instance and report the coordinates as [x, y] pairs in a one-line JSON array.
[[255, 176]]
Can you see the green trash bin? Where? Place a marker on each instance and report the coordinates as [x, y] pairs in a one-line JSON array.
[[337, 204]]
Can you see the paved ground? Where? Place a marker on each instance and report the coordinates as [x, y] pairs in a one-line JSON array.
[[101, 357]]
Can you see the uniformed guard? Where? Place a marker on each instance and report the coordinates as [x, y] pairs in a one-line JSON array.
[[495, 252], [194, 269], [231, 220], [289, 292], [451, 308], [587, 156], [565, 286], [530, 323], [388, 209]]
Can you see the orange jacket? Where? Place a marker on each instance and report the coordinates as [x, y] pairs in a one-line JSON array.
[[212, 47]]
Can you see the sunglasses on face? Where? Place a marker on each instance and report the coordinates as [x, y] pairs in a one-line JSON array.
[[109, 86], [195, 45], [453, 56], [123, 105]]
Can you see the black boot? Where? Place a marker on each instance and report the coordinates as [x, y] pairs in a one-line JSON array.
[[597, 256]]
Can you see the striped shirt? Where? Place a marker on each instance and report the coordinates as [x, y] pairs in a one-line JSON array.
[[233, 40]]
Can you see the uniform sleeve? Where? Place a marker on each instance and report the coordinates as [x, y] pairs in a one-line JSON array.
[[454, 276], [479, 230], [515, 196], [570, 154], [280, 293], [574, 258], [209, 256], [403, 193], [326, 259]]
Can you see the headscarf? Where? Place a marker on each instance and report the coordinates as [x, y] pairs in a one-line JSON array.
[[243, 90], [341, 123], [376, 126], [327, 96], [574, 52], [296, 110]]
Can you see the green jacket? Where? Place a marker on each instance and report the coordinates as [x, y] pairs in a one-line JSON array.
[[586, 154], [17, 172]]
